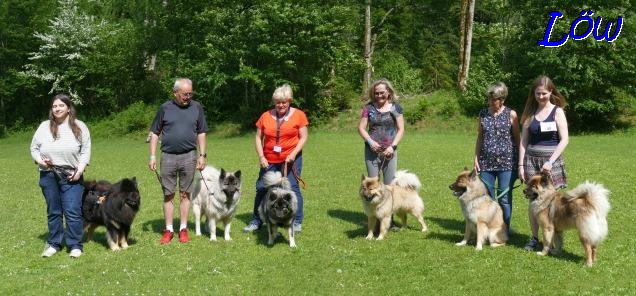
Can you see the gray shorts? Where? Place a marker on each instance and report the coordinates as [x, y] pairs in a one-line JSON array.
[[181, 165]]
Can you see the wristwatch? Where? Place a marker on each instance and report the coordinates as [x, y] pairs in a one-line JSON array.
[[204, 155]]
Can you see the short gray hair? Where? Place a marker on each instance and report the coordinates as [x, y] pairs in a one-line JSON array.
[[180, 82], [498, 91], [283, 92]]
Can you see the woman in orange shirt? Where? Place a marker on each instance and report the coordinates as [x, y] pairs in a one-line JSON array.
[[281, 134]]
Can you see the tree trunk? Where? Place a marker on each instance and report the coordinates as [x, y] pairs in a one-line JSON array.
[[466, 16], [368, 49]]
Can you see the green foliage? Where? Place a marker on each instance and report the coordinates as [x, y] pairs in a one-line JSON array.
[[394, 67], [135, 119]]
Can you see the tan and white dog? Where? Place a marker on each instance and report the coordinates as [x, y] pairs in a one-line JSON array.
[[583, 208], [400, 197], [482, 214]]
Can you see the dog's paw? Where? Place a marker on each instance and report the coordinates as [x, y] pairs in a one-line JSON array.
[[212, 238], [478, 247], [369, 237], [542, 253], [462, 243], [227, 238], [494, 245]]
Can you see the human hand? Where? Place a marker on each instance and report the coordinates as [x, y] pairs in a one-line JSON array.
[[152, 164], [521, 174], [388, 152], [263, 162], [76, 175], [476, 165], [546, 167], [200, 163]]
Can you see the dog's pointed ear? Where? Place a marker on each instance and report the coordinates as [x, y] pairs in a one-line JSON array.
[[361, 179], [472, 174], [222, 176], [465, 168], [238, 174]]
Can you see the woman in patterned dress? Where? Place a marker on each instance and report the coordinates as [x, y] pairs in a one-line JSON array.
[[496, 148], [544, 138]]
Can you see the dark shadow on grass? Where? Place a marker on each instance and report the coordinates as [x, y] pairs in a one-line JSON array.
[[357, 218], [261, 234]]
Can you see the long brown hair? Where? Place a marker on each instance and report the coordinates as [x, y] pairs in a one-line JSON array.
[[71, 118], [556, 98]]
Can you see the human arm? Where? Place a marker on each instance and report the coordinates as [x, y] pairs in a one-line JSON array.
[[303, 133], [399, 123], [362, 130], [202, 154], [523, 144], [478, 147], [36, 143], [152, 163], [258, 145], [84, 153], [562, 128]]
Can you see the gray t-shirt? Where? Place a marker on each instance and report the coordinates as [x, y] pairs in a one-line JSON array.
[[179, 126]]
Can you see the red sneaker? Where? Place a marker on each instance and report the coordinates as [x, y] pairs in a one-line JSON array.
[[183, 236], [166, 237]]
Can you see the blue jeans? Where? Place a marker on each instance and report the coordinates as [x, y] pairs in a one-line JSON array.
[[63, 200], [505, 179], [261, 190]]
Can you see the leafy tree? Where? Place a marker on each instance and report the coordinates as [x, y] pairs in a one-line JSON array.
[[72, 34]]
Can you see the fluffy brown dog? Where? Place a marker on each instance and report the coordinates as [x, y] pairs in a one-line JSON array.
[[584, 208], [482, 213], [400, 197]]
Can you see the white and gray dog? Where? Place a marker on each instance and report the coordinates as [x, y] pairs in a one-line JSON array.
[[216, 195], [278, 208]]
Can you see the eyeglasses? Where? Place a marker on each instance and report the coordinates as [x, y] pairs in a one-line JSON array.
[[187, 95], [379, 93]]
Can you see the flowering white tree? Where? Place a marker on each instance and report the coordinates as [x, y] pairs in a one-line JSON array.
[[72, 34]]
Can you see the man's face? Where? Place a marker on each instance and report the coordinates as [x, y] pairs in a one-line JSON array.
[[184, 94]]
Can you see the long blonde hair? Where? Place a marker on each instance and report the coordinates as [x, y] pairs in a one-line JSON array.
[[556, 98], [393, 97]]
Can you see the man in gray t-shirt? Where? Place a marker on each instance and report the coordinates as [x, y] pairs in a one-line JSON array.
[[182, 127]]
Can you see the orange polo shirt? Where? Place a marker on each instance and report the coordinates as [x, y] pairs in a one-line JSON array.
[[288, 136]]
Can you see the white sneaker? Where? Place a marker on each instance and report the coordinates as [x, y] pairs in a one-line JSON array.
[[75, 253], [49, 251]]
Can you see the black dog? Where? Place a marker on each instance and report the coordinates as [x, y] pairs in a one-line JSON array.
[[113, 206]]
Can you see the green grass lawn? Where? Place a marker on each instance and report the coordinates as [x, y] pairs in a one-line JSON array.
[[332, 257]]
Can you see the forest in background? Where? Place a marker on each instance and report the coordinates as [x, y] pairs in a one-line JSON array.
[[113, 55]]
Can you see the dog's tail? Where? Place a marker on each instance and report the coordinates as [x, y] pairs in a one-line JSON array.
[[275, 178], [598, 196], [406, 180]]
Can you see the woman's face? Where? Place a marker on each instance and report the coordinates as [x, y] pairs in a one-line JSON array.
[[60, 110], [380, 93], [495, 103], [282, 106], [542, 95]]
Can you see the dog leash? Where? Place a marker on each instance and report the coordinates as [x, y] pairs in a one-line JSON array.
[[205, 183], [299, 180], [493, 186]]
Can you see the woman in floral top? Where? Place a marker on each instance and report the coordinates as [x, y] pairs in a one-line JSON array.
[[497, 146], [385, 122]]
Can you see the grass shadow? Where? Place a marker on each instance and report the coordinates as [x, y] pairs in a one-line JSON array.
[[357, 218]]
